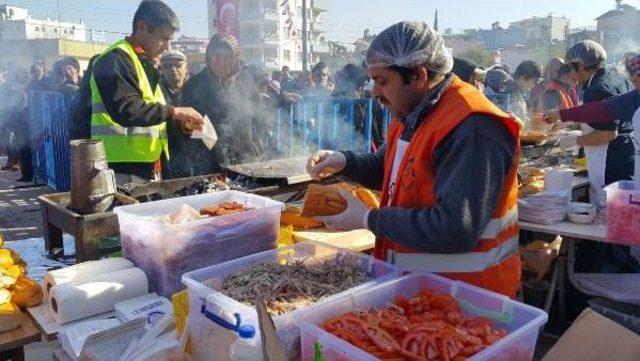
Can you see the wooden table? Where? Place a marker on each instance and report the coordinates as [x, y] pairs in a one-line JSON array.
[[12, 342]]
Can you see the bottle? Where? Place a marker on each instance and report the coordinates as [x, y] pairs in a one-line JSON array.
[[246, 347]]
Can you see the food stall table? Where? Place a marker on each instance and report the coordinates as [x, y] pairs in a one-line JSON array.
[[12, 342], [570, 233]]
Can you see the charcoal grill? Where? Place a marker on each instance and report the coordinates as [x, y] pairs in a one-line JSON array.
[[87, 229]]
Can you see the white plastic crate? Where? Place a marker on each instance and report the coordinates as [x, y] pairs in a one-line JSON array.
[[164, 252], [623, 213], [208, 338], [522, 322]]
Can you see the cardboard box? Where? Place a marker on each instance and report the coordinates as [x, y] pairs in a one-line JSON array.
[[593, 337]]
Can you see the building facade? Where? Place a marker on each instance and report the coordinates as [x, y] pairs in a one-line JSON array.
[[17, 24], [269, 31], [620, 30]]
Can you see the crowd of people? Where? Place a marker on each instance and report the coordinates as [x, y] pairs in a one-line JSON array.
[[240, 99], [15, 85]]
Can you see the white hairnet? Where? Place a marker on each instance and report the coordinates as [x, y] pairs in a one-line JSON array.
[[410, 43], [587, 52]]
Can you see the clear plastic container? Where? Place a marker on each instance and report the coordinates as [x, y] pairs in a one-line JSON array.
[[621, 287], [203, 285], [164, 252], [623, 213], [522, 322]]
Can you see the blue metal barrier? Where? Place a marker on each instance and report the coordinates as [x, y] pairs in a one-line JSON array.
[[324, 123], [48, 119]]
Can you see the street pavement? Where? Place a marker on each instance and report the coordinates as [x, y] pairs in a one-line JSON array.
[[20, 215]]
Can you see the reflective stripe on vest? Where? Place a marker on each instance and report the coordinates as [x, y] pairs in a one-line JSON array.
[[133, 144], [497, 225], [149, 132], [453, 263]]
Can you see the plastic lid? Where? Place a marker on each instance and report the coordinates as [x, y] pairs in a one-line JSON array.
[[246, 331]]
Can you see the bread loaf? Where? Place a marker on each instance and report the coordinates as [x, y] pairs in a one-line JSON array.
[[323, 201], [291, 217]]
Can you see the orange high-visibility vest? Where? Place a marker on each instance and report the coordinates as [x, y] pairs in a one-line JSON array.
[[494, 264], [566, 101]]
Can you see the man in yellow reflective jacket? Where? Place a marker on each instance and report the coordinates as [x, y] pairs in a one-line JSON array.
[[128, 109]]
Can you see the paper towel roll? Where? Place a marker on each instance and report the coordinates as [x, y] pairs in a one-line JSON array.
[[70, 301], [84, 272]]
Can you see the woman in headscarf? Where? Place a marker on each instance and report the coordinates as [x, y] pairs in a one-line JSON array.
[[230, 107]]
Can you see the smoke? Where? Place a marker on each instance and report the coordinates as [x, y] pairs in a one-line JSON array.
[[256, 126]]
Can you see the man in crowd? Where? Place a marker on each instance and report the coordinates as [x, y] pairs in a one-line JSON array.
[[13, 112], [470, 72], [129, 110], [5, 133], [37, 77], [175, 71], [322, 85], [448, 172], [174, 68]]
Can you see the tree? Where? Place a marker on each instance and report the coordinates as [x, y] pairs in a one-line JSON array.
[[478, 55]]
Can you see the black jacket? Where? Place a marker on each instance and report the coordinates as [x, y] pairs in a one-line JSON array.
[[232, 111], [117, 82], [605, 84]]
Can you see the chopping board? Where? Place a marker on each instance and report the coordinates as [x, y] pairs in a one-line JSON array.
[[357, 240]]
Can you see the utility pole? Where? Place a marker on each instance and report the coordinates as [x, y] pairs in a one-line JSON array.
[[305, 38], [312, 23]]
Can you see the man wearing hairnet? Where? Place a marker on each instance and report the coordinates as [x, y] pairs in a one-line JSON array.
[[447, 172]]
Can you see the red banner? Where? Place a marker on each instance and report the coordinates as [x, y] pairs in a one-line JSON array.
[[227, 15]]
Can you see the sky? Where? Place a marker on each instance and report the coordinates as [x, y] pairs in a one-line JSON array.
[[344, 20]]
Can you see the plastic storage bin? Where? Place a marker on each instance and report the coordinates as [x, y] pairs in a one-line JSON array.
[[623, 213], [208, 338], [164, 252], [522, 322]]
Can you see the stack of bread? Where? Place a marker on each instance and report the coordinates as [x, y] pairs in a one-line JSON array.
[[532, 181], [16, 289]]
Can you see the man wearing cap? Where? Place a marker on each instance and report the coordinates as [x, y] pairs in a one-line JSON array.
[[447, 172], [129, 110], [174, 69]]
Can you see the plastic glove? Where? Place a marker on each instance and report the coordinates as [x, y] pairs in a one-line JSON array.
[[551, 116], [188, 119], [570, 142], [325, 163], [354, 217]]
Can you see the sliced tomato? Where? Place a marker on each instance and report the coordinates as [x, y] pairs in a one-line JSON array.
[[382, 338], [444, 303], [472, 350]]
